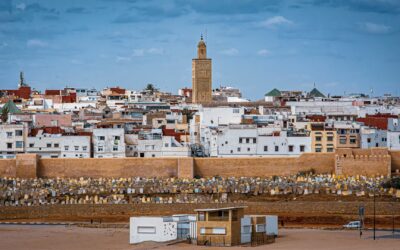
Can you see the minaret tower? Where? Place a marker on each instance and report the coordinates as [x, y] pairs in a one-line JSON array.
[[201, 75]]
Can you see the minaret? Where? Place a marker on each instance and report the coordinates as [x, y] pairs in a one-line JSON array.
[[21, 80], [201, 75]]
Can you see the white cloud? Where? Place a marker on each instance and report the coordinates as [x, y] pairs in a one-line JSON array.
[[375, 28], [36, 43], [155, 51], [275, 21], [150, 51], [121, 59], [138, 52], [263, 52], [3, 45], [230, 52], [21, 6]]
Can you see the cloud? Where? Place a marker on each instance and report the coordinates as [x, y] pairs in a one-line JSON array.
[[121, 59], [232, 7], [150, 51], [263, 52], [36, 43], [275, 21], [230, 52], [373, 6], [375, 28], [21, 6]]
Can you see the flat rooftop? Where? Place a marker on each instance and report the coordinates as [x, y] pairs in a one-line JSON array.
[[218, 209]]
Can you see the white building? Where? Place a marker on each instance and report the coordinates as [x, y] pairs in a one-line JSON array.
[[393, 134], [108, 143], [12, 139], [248, 140], [75, 146], [158, 229], [372, 137], [45, 145], [154, 144]]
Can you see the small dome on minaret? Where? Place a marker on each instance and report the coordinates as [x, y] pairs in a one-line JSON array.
[[201, 49]]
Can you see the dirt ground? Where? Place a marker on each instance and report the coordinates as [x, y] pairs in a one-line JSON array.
[[71, 237]]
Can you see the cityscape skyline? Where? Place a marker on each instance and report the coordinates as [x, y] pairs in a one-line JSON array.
[[343, 46]]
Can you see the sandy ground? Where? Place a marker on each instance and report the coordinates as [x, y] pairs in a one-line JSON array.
[[72, 237]]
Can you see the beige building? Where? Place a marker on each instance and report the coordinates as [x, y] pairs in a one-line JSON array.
[[201, 75], [323, 137], [348, 135], [219, 226]]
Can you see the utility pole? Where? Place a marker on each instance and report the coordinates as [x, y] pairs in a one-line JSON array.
[[374, 211]]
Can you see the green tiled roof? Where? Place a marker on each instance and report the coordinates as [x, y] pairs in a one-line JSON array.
[[316, 93], [10, 107], [274, 93]]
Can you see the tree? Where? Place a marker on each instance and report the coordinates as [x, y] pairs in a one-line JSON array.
[[150, 88]]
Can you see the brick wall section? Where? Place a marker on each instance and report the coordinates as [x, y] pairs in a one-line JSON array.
[[395, 160], [265, 166], [8, 168], [186, 167], [26, 165], [368, 165], [118, 167], [124, 211]]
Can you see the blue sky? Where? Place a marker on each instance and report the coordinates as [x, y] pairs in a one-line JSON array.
[[256, 45]]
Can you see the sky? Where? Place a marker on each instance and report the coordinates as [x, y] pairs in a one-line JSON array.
[[341, 46]]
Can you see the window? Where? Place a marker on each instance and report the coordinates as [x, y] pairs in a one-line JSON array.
[[353, 140], [238, 149], [9, 134], [76, 148], [218, 230], [302, 148], [115, 148], [318, 138], [203, 230], [226, 142], [31, 145], [202, 216], [254, 140], [248, 149], [9, 145], [100, 148], [330, 138], [240, 140], [101, 138], [117, 138], [342, 140], [84, 148], [291, 147], [18, 132], [66, 148], [265, 148], [146, 230], [247, 140], [166, 145], [56, 145], [19, 144], [369, 140], [318, 150], [329, 150], [276, 148], [48, 145], [260, 228]]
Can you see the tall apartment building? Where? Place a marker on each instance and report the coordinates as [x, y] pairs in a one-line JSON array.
[[323, 137], [12, 139], [108, 143]]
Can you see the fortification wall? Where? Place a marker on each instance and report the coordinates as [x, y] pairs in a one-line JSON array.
[[264, 166], [370, 163], [395, 160], [8, 168], [117, 167]]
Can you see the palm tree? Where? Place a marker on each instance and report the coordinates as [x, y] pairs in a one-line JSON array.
[[150, 88]]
